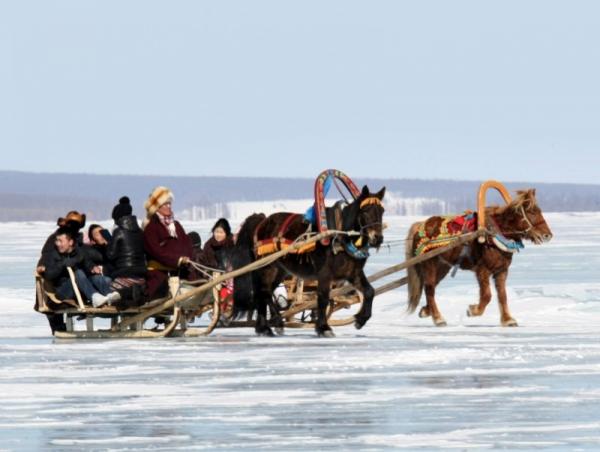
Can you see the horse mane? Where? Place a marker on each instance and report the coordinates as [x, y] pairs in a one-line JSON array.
[[349, 214], [524, 199], [245, 237]]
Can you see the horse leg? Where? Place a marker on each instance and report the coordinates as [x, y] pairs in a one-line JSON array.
[[361, 283], [485, 293], [505, 318], [321, 326], [262, 326], [432, 276]]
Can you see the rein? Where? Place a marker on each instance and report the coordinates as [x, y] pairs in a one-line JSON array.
[[356, 248], [531, 226]]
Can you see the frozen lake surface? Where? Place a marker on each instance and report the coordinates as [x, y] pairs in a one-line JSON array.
[[399, 383]]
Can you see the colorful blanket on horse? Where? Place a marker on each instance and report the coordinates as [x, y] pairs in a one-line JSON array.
[[451, 227], [279, 242]]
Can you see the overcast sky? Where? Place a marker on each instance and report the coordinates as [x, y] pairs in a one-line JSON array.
[[425, 89]]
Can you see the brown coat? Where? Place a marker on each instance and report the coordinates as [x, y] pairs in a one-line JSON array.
[[164, 249], [212, 249]]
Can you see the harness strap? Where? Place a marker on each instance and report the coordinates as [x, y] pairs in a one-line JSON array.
[[285, 225], [372, 200], [278, 242]]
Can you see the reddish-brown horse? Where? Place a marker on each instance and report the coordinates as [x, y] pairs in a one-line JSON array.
[[518, 220]]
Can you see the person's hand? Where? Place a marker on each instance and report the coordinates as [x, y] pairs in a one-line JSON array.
[[40, 269], [97, 270], [184, 260]]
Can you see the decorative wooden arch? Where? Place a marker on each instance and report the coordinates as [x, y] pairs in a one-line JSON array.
[[327, 177], [481, 202]]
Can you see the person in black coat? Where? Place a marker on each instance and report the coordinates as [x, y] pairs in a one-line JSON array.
[[221, 240], [97, 249], [126, 254], [68, 254], [125, 251], [74, 221]]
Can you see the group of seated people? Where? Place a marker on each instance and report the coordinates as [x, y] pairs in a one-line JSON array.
[[132, 264]]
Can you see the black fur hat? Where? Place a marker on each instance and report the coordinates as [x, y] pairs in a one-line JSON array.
[[195, 238], [122, 209], [224, 224]]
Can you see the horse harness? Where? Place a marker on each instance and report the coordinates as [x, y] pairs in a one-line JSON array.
[[279, 242]]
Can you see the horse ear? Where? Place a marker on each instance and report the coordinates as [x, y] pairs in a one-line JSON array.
[[365, 191], [381, 194], [533, 192]]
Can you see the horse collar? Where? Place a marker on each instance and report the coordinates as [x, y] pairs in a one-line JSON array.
[[502, 242], [356, 253]]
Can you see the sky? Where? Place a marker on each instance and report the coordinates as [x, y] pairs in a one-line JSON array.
[[422, 89]]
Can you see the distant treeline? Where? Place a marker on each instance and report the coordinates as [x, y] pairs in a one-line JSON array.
[[45, 196]]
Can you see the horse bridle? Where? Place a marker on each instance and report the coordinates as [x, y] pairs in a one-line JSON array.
[[531, 226], [372, 200]]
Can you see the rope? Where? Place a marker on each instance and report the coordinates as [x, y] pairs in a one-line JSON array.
[[205, 270], [335, 181]]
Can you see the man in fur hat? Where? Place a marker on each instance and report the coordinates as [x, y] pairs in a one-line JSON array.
[[168, 247]]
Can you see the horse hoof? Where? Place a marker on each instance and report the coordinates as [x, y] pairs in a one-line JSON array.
[[441, 322], [265, 333], [511, 322], [279, 331], [326, 333], [359, 322], [424, 312], [471, 310]]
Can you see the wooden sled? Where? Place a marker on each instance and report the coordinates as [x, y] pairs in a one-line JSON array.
[[181, 309], [202, 301]]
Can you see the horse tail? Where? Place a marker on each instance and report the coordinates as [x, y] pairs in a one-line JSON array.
[[241, 255], [415, 281]]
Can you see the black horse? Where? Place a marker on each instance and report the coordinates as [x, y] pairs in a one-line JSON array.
[[342, 260]]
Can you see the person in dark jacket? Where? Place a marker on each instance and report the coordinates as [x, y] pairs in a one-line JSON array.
[[75, 221], [168, 247], [125, 254], [99, 240], [90, 281], [125, 251], [221, 240], [197, 252]]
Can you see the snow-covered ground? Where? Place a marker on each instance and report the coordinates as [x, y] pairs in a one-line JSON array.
[[399, 383]]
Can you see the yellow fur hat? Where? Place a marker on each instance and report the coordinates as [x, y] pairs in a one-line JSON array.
[[158, 197]]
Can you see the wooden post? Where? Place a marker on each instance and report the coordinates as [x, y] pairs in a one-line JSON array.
[[75, 288], [299, 291]]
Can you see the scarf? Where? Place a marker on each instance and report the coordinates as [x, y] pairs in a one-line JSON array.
[[169, 223]]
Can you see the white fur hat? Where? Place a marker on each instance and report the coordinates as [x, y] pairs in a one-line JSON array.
[[158, 197]]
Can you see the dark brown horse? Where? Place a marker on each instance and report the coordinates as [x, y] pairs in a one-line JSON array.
[[518, 220], [339, 261]]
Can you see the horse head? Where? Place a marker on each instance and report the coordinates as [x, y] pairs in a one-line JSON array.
[[528, 218], [366, 217]]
